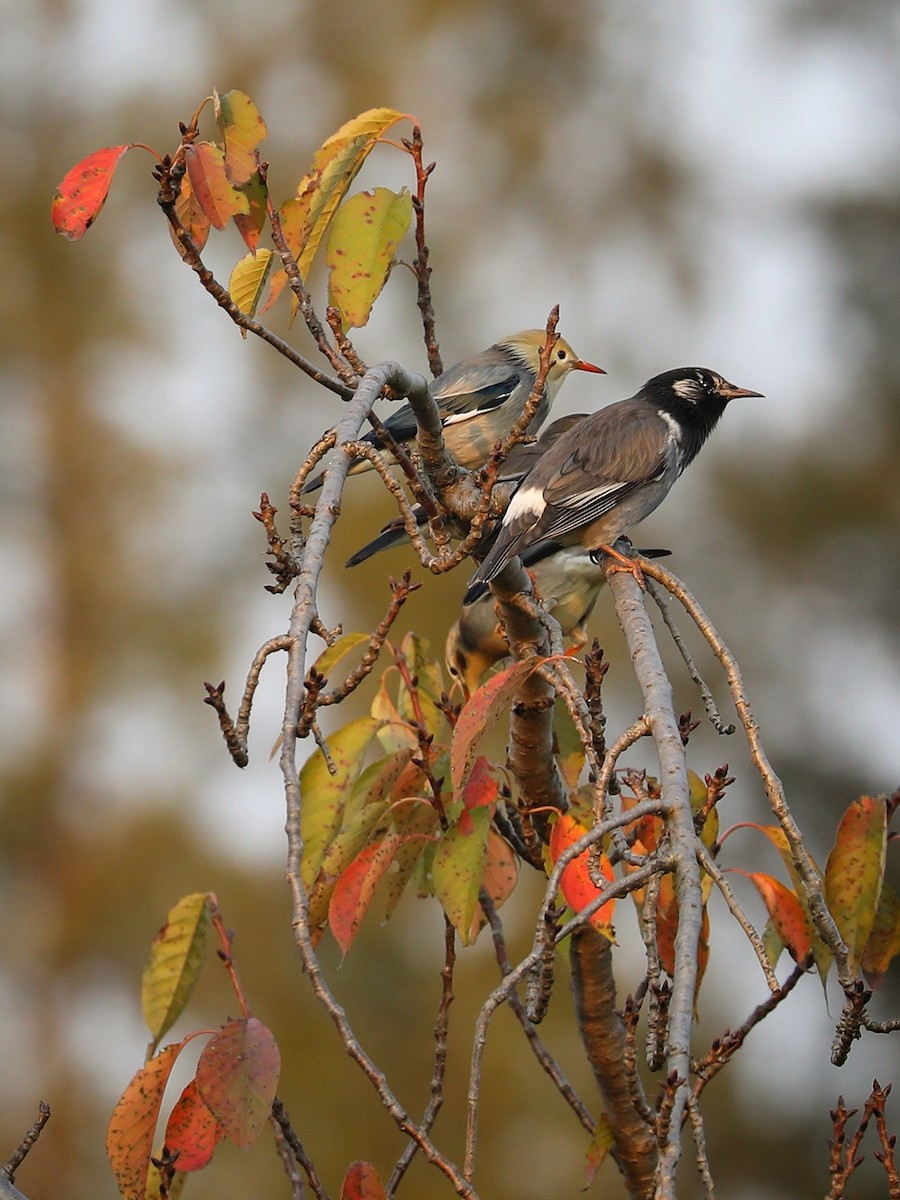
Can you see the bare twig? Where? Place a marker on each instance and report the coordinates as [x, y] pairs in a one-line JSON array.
[[660, 715], [286, 1134], [421, 269], [821, 917], [441, 1030], [15, 1160], [169, 180], [707, 862], [236, 732]]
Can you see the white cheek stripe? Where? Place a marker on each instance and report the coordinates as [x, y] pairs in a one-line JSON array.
[[527, 502]]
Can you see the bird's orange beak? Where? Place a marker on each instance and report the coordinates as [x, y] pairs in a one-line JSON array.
[[581, 365]]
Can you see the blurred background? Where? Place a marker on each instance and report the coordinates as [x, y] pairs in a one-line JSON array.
[[694, 184]]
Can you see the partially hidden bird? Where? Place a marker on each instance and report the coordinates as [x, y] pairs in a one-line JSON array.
[[567, 580], [612, 470], [517, 464], [481, 397]]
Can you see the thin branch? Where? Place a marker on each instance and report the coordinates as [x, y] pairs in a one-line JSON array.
[[441, 1030], [706, 695], [421, 269], [822, 919], [540, 1051], [706, 1178], [236, 732], [682, 839], [169, 181], [326, 511], [286, 1134], [18, 1156], [708, 863]]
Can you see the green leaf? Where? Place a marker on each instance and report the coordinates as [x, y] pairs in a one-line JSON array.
[[176, 956], [458, 869], [362, 242], [324, 795], [416, 826]]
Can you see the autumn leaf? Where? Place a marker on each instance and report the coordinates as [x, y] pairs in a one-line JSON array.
[[362, 242], [576, 884], [854, 872], [354, 891], [251, 224], [242, 129], [217, 196], [415, 824], [458, 869], [81, 195], [176, 956], [362, 1183], [192, 1131], [480, 714], [788, 916], [129, 1136], [884, 940], [332, 655], [237, 1077], [191, 218], [324, 795], [248, 279]]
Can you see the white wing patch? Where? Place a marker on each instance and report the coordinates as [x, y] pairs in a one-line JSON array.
[[527, 503]]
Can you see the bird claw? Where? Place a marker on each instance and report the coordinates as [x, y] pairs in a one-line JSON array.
[[621, 563]]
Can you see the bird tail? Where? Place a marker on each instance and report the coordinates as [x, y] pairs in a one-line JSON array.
[[393, 534], [499, 555]]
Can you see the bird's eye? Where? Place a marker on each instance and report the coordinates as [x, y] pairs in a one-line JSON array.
[[561, 354]]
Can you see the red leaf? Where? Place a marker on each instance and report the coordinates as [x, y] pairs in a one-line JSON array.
[[215, 193], [362, 1183], [129, 1137], [481, 713], [192, 1130], [237, 1076], [78, 199], [576, 884], [355, 889], [481, 791]]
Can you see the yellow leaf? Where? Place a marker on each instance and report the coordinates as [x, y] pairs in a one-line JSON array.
[[248, 280], [175, 960], [242, 129], [854, 872], [335, 165], [363, 240]]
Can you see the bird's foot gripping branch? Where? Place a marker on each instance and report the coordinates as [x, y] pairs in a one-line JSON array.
[[415, 795]]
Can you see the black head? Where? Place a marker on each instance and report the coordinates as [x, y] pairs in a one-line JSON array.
[[695, 399]]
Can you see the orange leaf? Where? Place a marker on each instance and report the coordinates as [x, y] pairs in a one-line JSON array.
[[355, 889], [362, 1183], [787, 914], [237, 1076], [854, 872], [576, 884], [192, 1130], [129, 1136], [215, 193], [78, 199], [191, 217]]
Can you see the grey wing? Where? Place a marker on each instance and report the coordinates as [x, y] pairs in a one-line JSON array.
[[619, 449]]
